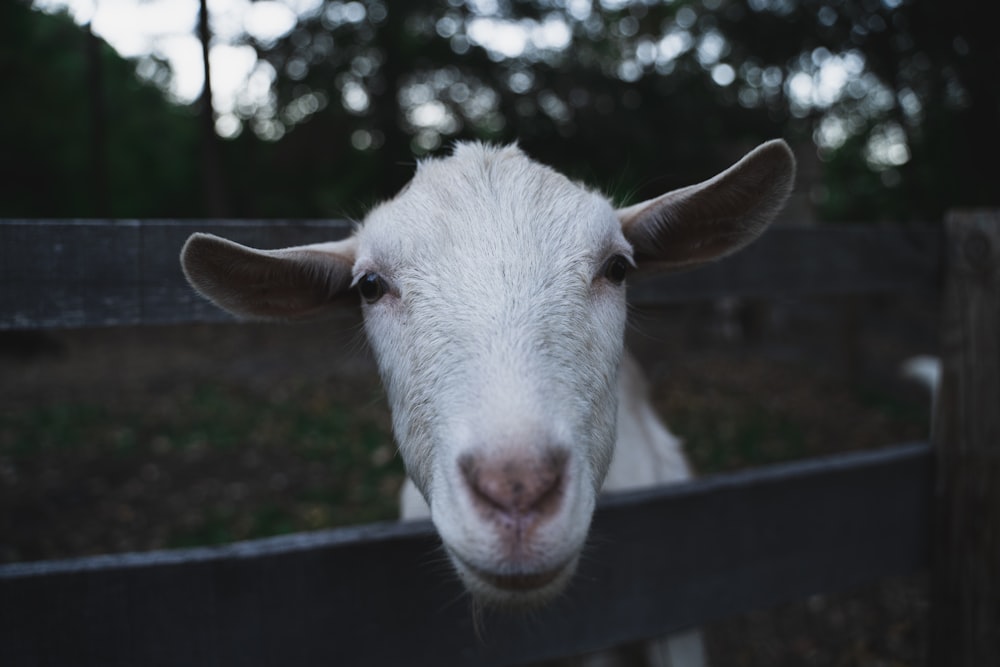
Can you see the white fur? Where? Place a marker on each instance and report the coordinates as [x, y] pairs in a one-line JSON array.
[[646, 452], [499, 338], [500, 335]]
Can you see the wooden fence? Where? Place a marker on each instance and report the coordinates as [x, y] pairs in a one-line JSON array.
[[380, 594]]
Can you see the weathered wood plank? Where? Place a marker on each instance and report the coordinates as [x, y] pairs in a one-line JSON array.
[[795, 261], [966, 568], [75, 273], [659, 560]]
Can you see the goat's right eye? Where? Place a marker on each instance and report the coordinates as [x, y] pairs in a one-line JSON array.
[[372, 287]]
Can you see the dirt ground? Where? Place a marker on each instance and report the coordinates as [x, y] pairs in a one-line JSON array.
[[147, 438]]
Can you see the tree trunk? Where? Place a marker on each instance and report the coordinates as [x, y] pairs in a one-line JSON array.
[[101, 198], [213, 186]]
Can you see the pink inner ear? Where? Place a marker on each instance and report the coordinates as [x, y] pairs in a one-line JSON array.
[[290, 284], [707, 221]]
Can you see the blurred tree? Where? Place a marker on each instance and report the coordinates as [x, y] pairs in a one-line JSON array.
[[406, 81], [913, 129], [98, 126], [900, 96], [51, 165], [213, 183]]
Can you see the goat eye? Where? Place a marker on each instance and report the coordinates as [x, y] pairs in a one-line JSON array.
[[616, 269], [372, 287]]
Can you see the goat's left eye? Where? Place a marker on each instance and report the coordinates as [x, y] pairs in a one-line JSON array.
[[372, 287], [616, 269]]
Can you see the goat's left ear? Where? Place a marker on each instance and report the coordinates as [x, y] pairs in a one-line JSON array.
[[703, 222]]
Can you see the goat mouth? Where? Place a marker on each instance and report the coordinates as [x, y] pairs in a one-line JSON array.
[[524, 582], [515, 587]]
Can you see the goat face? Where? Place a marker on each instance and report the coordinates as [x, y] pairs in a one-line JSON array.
[[493, 296], [494, 301]]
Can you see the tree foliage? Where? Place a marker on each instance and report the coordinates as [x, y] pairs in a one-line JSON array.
[[898, 97], [50, 164]]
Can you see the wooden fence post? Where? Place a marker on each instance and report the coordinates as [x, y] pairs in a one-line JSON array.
[[965, 578]]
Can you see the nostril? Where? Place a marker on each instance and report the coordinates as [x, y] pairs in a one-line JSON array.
[[517, 486]]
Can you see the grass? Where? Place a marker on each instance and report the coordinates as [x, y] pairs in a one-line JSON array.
[[749, 436], [217, 463], [207, 466]]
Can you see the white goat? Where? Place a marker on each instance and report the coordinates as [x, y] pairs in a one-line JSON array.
[[493, 294]]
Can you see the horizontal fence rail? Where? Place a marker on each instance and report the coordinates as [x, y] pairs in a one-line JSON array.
[[658, 560], [82, 273]]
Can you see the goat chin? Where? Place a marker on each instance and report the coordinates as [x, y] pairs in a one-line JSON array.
[[524, 589]]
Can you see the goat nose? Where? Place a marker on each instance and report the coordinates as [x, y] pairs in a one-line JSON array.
[[526, 489]]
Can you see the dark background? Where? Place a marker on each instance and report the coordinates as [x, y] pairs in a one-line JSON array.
[[83, 136], [147, 438]]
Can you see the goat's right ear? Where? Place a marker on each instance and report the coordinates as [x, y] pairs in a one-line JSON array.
[[304, 282]]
